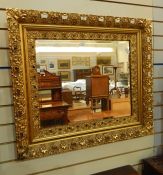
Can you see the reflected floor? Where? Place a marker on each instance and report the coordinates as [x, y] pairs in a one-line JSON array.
[[80, 111]]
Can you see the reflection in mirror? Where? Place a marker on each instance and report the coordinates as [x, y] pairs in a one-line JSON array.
[[82, 80]]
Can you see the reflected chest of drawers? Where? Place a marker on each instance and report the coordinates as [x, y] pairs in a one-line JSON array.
[[54, 111], [97, 88]]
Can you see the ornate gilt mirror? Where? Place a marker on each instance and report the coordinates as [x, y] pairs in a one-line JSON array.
[[78, 80]]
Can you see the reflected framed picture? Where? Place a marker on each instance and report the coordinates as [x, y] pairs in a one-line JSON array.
[[42, 68], [43, 61], [51, 65], [107, 70], [63, 64], [103, 60], [65, 75], [80, 61]]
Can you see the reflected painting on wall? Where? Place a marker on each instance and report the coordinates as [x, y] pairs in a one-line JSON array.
[[107, 70], [43, 68], [43, 61], [63, 64], [51, 64], [80, 61], [103, 60], [65, 75]]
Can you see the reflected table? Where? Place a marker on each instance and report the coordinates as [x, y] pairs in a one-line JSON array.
[[54, 111]]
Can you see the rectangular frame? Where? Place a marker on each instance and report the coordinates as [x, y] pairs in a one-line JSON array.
[[42, 68], [65, 75], [25, 26], [63, 64], [107, 70], [103, 60], [51, 64], [80, 61]]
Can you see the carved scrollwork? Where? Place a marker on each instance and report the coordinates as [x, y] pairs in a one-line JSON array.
[[25, 26]]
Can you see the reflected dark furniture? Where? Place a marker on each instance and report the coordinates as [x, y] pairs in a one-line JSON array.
[[54, 111], [125, 170], [56, 108], [153, 166], [81, 73], [97, 89], [78, 93], [48, 80], [67, 96]]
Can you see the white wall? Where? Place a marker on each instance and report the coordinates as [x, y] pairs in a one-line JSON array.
[[87, 161], [158, 75]]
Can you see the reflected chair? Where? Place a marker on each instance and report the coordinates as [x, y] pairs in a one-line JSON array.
[[78, 94]]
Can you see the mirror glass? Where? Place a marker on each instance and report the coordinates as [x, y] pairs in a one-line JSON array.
[[66, 80]]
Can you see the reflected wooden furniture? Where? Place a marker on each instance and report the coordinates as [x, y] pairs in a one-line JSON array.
[[56, 108], [78, 93], [67, 96], [153, 166], [81, 73], [97, 89], [115, 90], [125, 170]]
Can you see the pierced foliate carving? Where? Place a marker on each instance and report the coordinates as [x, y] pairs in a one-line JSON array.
[[25, 26]]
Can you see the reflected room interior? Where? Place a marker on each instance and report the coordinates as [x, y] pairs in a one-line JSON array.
[[82, 80]]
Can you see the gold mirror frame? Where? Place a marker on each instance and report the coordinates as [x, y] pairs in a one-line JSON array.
[[25, 26]]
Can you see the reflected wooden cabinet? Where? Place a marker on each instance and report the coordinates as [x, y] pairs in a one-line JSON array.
[[81, 73], [54, 111], [67, 96], [97, 89], [54, 108]]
